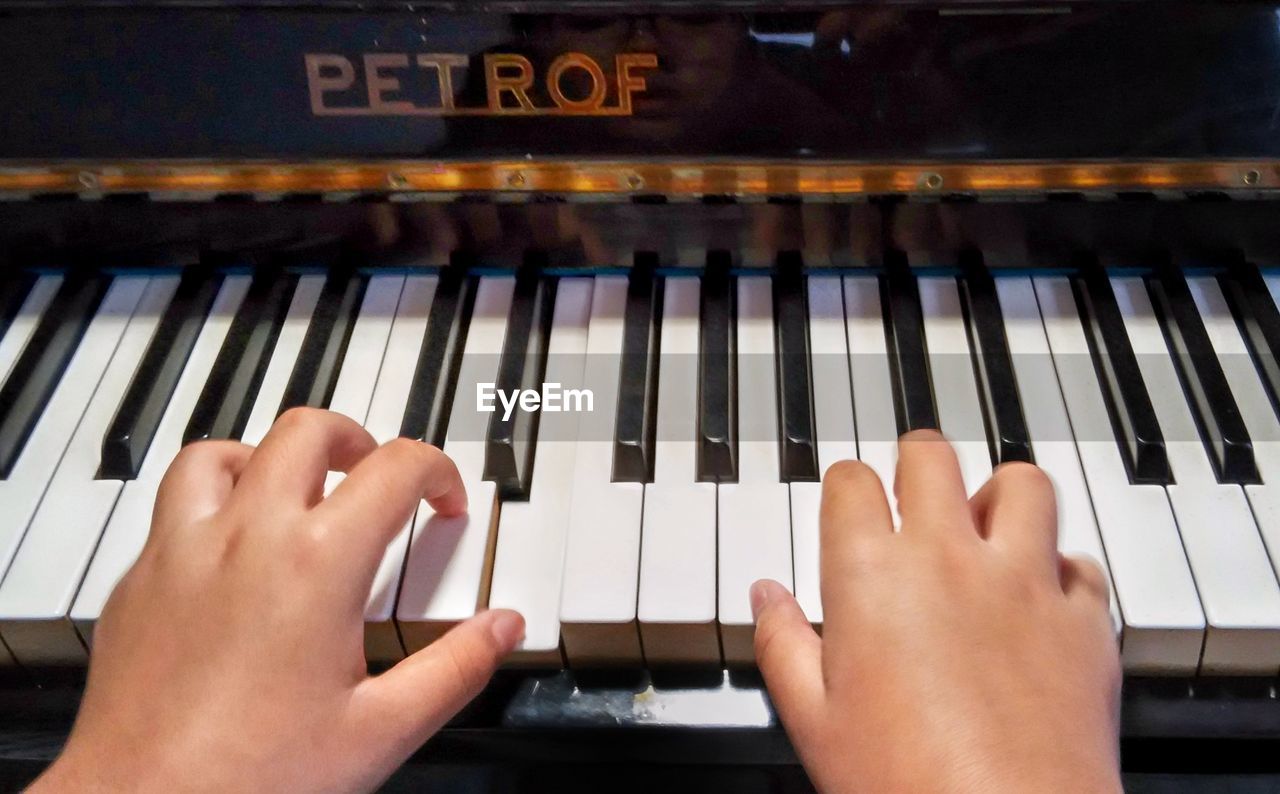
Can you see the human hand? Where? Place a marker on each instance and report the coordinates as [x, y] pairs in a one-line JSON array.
[[231, 655], [960, 654]]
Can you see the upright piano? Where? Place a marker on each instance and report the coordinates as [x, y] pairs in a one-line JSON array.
[[723, 244]]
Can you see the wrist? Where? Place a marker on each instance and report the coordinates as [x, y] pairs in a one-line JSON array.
[[66, 775]]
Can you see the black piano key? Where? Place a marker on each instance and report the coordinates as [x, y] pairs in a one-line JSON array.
[[224, 405], [1133, 419], [510, 441], [315, 375], [797, 434], [1259, 322], [1213, 407], [1002, 406], [426, 416], [908, 357], [37, 371], [13, 293], [138, 417], [718, 373], [636, 426]]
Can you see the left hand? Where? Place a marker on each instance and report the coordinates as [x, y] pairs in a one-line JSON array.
[[231, 656]]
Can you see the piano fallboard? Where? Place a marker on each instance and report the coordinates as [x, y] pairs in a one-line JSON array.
[[846, 82], [659, 99]]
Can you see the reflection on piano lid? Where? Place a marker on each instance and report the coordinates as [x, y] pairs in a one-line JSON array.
[[684, 99]]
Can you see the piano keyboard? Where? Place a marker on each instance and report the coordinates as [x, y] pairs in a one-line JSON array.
[[629, 535]]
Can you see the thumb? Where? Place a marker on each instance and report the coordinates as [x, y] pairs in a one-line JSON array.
[[788, 652], [414, 699]]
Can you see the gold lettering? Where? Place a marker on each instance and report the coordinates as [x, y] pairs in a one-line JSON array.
[[379, 84], [576, 60], [509, 80], [444, 64], [629, 83], [318, 84], [496, 84]]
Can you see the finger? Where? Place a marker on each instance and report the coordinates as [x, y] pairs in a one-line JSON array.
[[789, 654], [854, 507], [373, 503], [853, 502], [299, 450], [1083, 576], [1088, 591], [1017, 513], [199, 482], [928, 485], [411, 701]]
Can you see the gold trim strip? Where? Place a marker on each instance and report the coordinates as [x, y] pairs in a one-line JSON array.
[[638, 177]]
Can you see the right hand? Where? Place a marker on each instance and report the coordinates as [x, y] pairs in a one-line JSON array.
[[960, 654]]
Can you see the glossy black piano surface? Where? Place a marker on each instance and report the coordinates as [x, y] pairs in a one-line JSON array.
[[530, 731], [812, 81]]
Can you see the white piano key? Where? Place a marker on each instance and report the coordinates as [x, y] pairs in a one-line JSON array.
[[602, 546], [1052, 442], [529, 557], [25, 322], [951, 368], [353, 395], [353, 390], [874, 419], [1163, 621], [126, 529], [1273, 286], [1238, 589], [833, 412], [288, 345], [38, 586], [677, 599], [386, 411], [754, 519], [20, 492], [449, 560], [1255, 407]]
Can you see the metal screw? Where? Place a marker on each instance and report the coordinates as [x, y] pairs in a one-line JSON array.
[[931, 180], [635, 182], [1252, 177], [516, 179], [397, 181], [87, 180]]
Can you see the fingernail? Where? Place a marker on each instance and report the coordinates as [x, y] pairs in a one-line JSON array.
[[507, 628], [759, 597]]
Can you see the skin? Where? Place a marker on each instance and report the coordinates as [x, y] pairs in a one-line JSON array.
[[962, 653], [231, 655]]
